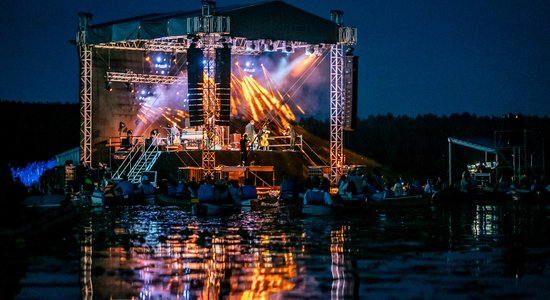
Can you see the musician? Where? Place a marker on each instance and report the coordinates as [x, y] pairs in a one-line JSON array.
[[292, 134], [154, 136], [250, 132], [264, 135], [174, 134]]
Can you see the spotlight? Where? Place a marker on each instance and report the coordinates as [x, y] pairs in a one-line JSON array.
[[349, 51], [310, 50], [251, 47], [108, 86], [174, 58], [130, 87], [288, 47]]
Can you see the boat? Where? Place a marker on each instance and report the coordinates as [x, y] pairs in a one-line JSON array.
[[211, 209], [168, 200], [406, 200], [477, 196], [317, 210]]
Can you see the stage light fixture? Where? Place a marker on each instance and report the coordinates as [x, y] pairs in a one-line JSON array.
[[108, 86], [288, 47], [310, 50], [130, 87]]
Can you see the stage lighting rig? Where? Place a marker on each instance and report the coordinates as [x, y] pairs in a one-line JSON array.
[[130, 87], [108, 86], [288, 47]]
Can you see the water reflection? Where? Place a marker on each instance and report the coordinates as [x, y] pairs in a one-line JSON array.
[[163, 253], [485, 223], [464, 251]]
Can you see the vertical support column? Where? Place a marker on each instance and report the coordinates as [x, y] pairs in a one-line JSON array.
[[336, 112], [450, 163], [210, 107], [85, 57]]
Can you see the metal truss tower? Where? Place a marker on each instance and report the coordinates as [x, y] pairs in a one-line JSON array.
[[85, 55], [347, 36], [209, 137], [336, 112]]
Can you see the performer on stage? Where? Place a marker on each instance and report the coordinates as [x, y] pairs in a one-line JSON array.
[[291, 132], [264, 135], [174, 134], [155, 137], [250, 132]]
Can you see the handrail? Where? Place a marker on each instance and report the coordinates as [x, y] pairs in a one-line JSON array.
[[313, 151], [144, 162], [127, 162]]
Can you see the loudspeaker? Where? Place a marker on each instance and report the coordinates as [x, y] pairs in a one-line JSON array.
[[350, 91], [195, 78], [223, 80]]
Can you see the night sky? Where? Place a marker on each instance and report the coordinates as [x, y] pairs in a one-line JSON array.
[[416, 57]]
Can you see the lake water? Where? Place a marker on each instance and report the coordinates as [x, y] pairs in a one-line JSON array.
[[152, 252]]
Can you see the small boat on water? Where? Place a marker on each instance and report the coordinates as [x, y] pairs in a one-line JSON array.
[[317, 210], [410, 200], [210, 209], [477, 196], [167, 200], [382, 199]]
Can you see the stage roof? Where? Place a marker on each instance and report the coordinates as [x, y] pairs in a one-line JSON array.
[[480, 144], [273, 20]]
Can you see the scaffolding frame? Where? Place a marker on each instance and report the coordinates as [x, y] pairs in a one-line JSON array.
[[336, 112], [521, 151], [85, 56], [210, 27], [210, 108]]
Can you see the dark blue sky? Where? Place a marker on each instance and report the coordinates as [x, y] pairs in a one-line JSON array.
[[416, 57]]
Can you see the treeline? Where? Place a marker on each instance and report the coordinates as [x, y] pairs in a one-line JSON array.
[[412, 146], [418, 146], [37, 131]]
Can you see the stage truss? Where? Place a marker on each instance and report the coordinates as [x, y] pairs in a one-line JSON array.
[[212, 30]]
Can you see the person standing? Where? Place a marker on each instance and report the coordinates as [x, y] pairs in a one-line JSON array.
[[250, 132], [174, 134], [244, 149], [292, 134]]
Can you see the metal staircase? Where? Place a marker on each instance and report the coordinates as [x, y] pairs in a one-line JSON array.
[[143, 163]]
